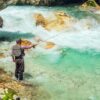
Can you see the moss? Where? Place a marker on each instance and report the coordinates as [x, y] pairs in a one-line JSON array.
[[91, 3]]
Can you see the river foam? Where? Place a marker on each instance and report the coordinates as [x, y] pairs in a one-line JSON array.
[[83, 35]]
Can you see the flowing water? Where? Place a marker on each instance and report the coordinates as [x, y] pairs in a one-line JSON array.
[[69, 72]]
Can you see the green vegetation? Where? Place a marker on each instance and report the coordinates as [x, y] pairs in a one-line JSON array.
[[8, 95], [91, 3]]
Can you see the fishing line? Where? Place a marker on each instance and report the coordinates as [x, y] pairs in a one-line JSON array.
[[52, 37]]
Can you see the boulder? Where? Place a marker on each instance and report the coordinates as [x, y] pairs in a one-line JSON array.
[[90, 4], [40, 20], [25, 43], [2, 55], [58, 21], [1, 22], [49, 45]]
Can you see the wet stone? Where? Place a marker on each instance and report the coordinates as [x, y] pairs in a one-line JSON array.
[[1, 22]]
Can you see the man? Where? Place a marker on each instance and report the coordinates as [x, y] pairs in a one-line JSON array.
[[18, 57]]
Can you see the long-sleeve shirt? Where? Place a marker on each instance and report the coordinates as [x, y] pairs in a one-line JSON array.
[[22, 50]]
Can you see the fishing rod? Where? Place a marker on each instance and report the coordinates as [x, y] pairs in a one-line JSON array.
[[52, 37], [46, 41]]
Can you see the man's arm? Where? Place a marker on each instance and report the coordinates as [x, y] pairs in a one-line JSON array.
[[13, 58], [29, 47]]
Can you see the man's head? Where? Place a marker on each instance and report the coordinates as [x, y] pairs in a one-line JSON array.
[[18, 41]]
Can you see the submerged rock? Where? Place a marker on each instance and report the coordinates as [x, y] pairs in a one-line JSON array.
[[25, 42], [49, 45], [58, 21], [2, 55], [1, 22]]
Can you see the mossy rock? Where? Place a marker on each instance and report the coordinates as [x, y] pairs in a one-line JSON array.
[[91, 3]]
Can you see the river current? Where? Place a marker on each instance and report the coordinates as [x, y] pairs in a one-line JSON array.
[[70, 72]]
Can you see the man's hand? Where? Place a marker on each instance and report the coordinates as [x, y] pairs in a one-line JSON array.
[[14, 60], [34, 45]]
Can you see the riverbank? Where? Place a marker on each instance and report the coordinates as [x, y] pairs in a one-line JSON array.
[[24, 90], [21, 89]]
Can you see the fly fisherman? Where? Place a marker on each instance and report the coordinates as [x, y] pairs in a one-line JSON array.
[[18, 57]]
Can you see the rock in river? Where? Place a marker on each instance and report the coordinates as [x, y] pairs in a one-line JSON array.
[[1, 22]]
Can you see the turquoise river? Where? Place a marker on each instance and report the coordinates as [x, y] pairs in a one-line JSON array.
[[71, 71]]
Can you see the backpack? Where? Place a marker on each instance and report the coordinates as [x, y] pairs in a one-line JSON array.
[[17, 51]]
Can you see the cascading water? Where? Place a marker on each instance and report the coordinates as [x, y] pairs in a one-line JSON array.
[[70, 72]]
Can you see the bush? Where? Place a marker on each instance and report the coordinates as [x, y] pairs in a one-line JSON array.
[[8, 94]]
